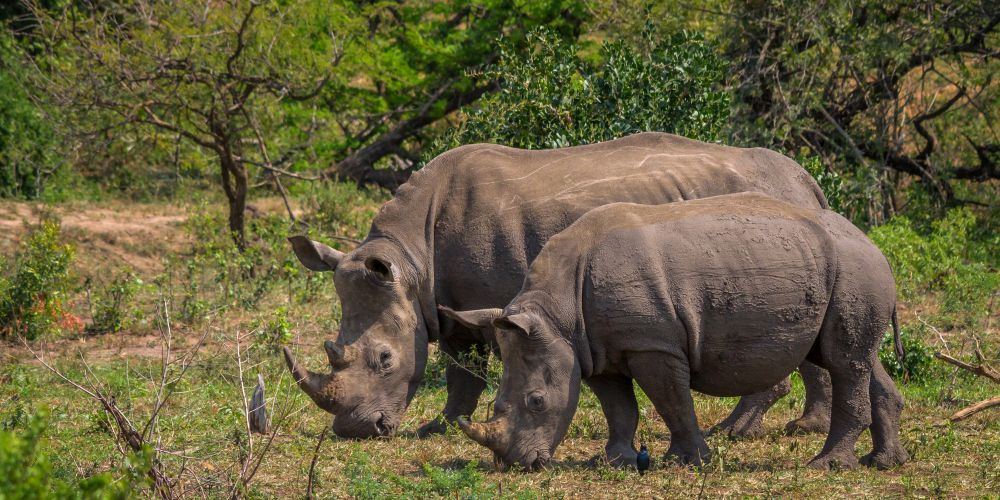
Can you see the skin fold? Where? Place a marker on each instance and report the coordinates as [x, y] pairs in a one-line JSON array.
[[462, 233], [723, 295]]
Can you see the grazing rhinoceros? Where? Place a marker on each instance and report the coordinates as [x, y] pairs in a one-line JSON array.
[[462, 232], [724, 295]]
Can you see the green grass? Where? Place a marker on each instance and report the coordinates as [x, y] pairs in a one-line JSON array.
[[203, 419], [202, 425]]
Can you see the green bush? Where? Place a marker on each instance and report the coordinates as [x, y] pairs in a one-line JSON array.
[[552, 96], [273, 333], [27, 147], [918, 364], [25, 472], [342, 208], [33, 300], [939, 260], [114, 304]]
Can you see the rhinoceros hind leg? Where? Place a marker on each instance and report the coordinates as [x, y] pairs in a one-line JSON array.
[[887, 405], [851, 416], [666, 379], [747, 419], [848, 350], [618, 402], [816, 417]]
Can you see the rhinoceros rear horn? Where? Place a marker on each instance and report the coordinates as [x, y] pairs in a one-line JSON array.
[[476, 318], [335, 354], [311, 383], [315, 255]]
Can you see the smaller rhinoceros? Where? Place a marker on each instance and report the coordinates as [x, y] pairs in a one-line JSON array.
[[724, 295]]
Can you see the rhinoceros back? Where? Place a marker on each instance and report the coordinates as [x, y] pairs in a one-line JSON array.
[[731, 280], [479, 214]]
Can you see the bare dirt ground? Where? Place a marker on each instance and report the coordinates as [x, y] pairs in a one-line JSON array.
[[106, 235]]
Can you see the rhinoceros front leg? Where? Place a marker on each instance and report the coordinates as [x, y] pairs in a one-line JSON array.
[[465, 384], [666, 379], [617, 399]]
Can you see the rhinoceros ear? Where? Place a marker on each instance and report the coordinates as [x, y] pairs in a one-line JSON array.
[[476, 318], [517, 322], [315, 255]]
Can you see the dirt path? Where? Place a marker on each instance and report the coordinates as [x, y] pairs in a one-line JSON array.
[[106, 235]]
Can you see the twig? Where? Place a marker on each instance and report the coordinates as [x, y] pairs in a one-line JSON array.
[[978, 370], [126, 432], [976, 408], [312, 465], [344, 238], [938, 332]]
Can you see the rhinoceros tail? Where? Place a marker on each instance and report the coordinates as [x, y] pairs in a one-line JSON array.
[[897, 343]]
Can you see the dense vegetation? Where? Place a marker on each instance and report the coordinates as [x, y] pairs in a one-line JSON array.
[[159, 154]]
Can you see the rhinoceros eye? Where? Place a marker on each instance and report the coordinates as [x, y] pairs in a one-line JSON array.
[[385, 360], [381, 360], [535, 401]]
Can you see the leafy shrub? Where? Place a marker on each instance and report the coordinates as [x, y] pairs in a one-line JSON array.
[[273, 333], [114, 304], [918, 364], [27, 147], [33, 300], [342, 208], [553, 96], [938, 260], [829, 181], [25, 471]]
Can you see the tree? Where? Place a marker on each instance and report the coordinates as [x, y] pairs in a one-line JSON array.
[[416, 66], [27, 151], [221, 78], [553, 96], [882, 91]]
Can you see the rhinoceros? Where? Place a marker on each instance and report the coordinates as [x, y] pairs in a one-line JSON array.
[[723, 295], [462, 231]]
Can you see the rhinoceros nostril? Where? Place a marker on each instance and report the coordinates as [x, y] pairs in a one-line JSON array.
[[382, 425]]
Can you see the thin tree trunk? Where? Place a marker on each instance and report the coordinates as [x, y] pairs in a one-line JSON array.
[[234, 183]]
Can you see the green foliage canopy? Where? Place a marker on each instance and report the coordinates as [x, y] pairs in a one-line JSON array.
[[28, 149], [555, 97]]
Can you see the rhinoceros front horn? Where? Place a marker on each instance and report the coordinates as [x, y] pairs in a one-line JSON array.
[[477, 432], [317, 386]]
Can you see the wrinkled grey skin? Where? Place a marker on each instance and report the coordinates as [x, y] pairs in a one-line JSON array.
[[723, 295], [462, 232]]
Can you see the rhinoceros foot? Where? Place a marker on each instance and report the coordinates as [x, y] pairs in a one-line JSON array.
[[835, 460], [739, 427], [886, 458], [436, 426], [622, 458], [808, 424], [696, 455]]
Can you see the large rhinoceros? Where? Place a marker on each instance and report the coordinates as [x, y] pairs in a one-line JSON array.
[[723, 295], [462, 233]]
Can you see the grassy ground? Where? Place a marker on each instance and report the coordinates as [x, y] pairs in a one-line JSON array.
[[201, 428]]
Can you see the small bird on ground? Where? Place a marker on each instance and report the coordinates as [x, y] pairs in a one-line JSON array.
[[642, 459]]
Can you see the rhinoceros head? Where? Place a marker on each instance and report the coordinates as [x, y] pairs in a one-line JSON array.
[[378, 358], [538, 391]]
